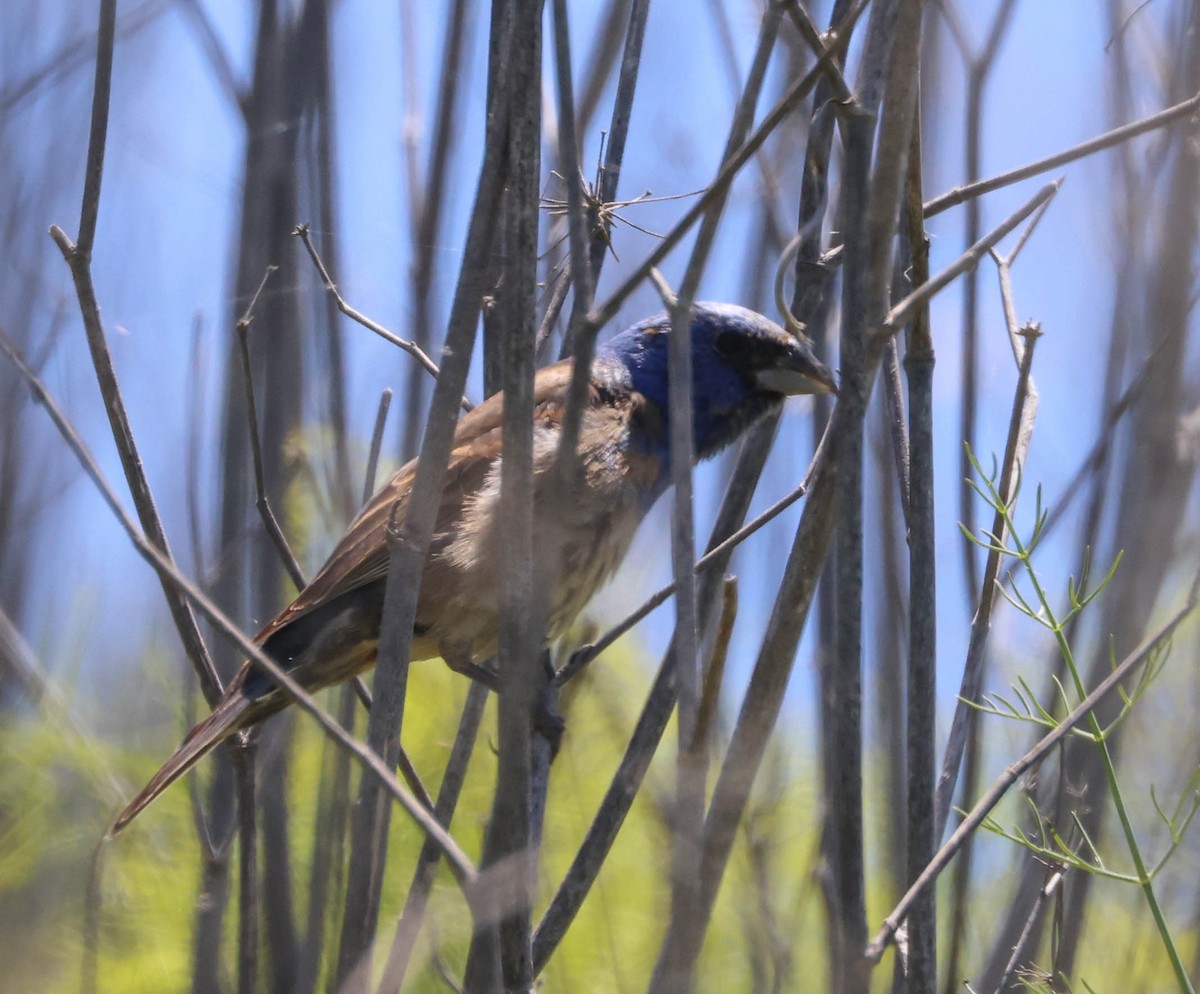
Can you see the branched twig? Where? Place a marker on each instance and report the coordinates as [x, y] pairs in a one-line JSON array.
[[903, 312], [301, 231], [270, 522], [78, 256], [732, 165]]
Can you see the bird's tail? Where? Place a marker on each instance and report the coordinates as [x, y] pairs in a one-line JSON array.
[[226, 719]]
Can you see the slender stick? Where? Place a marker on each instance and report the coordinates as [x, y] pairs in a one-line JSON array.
[[585, 654], [511, 842], [961, 194], [979, 69], [618, 129], [270, 522], [427, 216], [682, 943], [981, 624], [78, 257], [248, 903], [1044, 894], [656, 712], [409, 924], [302, 232], [921, 697], [903, 312], [409, 551], [385, 400], [89, 211]]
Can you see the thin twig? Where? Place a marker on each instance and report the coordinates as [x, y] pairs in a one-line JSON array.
[[301, 231], [101, 95], [972, 677], [63, 61], [652, 722], [408, 554], [427, 216], [78, 258], [214, 51], [681, 945], [248, 904], [715, 671], [581, 271], [961, 194], [270, 522], [93, 901], [511, 841], [409, 924], [385, 400], [921, 689], [1057, 876], [812, 36], [1099, 450], [618, 129], [903, 312], [585, 654]]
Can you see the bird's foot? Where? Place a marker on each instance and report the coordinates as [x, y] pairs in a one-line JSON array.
[[547, 721], [459, 660]]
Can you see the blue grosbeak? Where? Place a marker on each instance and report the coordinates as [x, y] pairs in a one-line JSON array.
[[743, 366]]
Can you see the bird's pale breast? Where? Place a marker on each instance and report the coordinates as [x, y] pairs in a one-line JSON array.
[[579, 540]]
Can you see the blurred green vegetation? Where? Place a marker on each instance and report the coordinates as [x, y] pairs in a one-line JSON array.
[[59, 787], [58, 792]]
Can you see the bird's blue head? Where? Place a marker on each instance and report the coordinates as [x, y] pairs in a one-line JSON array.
[[743, 365]]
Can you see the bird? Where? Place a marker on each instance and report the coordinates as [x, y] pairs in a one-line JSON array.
[[743, 366]]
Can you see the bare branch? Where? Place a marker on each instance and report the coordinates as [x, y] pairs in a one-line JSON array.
[[903, 312], [78, 258], [972, 677], [301, 231], [385, 400], [270, 522], [961, 194]]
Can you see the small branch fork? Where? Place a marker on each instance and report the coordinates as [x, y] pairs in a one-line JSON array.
[[78, 256], [260, 484], [301, 231]]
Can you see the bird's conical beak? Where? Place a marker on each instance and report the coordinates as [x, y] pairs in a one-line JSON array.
[[799, 371]]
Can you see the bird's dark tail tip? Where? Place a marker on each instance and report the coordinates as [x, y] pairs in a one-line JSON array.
[[200, 741]]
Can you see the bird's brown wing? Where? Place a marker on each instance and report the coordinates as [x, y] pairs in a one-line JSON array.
[[361, 556]]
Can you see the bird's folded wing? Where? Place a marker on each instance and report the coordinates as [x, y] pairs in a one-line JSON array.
[[361, 556]]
